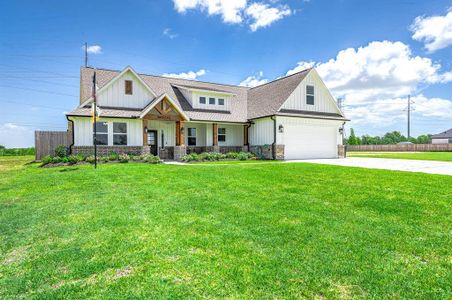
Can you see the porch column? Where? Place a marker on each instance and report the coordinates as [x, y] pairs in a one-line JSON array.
[[145, 135], [180, 128], [215, 134], [180, 150], [245, 135]]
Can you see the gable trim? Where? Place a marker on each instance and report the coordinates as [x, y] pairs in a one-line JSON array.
[[147, 109]]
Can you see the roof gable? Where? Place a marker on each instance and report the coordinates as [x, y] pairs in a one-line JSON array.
[[324, 102], [443, 135], [266, 99]]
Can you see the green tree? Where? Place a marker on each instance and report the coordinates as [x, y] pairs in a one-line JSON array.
[[353, 140]]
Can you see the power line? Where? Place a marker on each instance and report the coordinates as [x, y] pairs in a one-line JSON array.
[[39, 91]]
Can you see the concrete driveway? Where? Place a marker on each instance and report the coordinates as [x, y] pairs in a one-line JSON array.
[[423, 166]]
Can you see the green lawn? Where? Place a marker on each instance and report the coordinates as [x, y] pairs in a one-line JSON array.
[[267, 230], [439, 156]]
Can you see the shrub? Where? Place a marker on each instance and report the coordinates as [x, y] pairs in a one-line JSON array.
[[149, 158], [242, 156], [113, 156], [190, 157], [46, 160], [136, 157], [249, 155], [211, 156], [232, 155], [91, 159], [75, 158], [123, 158], [61, 151]]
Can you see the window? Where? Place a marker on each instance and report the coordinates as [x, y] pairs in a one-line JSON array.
[[191, 136], [202, 100], [222, 134], [119, 134], [310, 94], [101, 133], [212, 101], [128, 87], [220, 101]]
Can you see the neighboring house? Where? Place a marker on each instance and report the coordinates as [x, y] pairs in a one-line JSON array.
[[443, 137], [294, 117]]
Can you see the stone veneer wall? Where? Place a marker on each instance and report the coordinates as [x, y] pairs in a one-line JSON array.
[[179, 152], [166, 153], [265, 151], [105, 150]]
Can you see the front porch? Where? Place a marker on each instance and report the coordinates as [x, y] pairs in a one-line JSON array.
[[168, 133]]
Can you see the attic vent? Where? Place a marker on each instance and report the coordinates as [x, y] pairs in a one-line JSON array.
[[128, 87]]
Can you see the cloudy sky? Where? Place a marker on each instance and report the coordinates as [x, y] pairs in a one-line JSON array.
[[372, 54]]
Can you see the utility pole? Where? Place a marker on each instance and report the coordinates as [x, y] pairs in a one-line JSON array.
[[409, 115], [86, 54]]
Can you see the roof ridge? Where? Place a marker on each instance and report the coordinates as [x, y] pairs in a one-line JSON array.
[[284, 77], [167, 77]]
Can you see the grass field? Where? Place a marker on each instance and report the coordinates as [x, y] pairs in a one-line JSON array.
[[439, 156], [223, 231]]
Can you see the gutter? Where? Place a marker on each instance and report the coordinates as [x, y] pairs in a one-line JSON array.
[[274, 137], [72, 132]]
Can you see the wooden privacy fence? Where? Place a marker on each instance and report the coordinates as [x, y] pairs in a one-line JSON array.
[[401, 148], [47, 141]]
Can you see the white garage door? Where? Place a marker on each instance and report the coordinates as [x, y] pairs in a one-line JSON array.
[[305, 142]]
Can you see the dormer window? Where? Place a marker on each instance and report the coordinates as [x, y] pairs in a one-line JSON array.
[[310, 94], [220, 101], [202, 100], [212, 101], [128, 87]]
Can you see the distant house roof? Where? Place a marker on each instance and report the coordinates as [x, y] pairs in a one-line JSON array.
[[246, 103], [443, 135]]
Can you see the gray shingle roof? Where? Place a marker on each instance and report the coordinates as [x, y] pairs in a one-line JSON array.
[[266, 99], [246, 103], [107, 112], [443, 135]]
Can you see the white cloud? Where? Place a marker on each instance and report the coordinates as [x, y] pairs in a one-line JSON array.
[[253, 81], [263, 15], [236, 11], [434, 31], [14, 136], [230, 10], [94, 49], [169, 33], [187, 75], [375, 80]]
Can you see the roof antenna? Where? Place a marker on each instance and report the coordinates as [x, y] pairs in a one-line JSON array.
[[86, 54]]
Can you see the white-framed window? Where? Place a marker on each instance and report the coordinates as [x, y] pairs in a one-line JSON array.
[[310, 94], [191, 136], [212, 101], [101, 133], [202, 100], [220, 101], [222, 134], [119, 133]]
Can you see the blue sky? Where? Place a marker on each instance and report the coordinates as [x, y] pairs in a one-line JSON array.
[[371, 53]]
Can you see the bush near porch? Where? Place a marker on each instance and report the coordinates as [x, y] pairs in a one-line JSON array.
[[216, 156], [57, 161]]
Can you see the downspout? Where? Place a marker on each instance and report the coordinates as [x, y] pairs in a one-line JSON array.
[[247, 128], [72, 133], [343, 138], [274, 137]]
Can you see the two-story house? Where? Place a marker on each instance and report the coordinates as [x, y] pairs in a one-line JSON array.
[[293, 117]]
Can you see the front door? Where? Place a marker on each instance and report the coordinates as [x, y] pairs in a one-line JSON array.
[[152, 141]]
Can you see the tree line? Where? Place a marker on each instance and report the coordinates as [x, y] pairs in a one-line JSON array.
[[388, 138]]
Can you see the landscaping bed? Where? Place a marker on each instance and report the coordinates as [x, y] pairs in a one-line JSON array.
[[79, 159], [215, 156]]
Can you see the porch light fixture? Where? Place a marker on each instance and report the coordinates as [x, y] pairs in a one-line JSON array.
[[145, 129], [281, 128], [341, 130], [182, 130]]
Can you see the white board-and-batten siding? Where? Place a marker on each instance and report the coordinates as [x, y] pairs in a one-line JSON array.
[[323, 100], [114, 95], [167, 128], [83, 131], [204, 134]]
